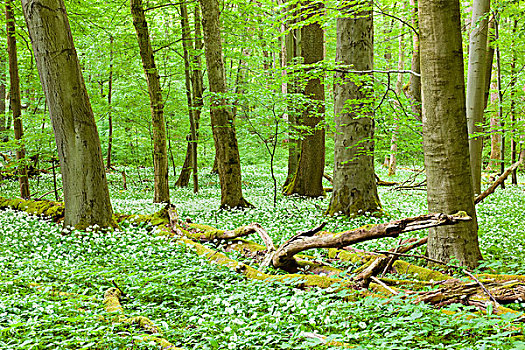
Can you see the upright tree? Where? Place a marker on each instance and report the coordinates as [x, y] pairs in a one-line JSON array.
[[307, 180], [414, 87], [476, 76], [3, 76], [158, 123], [445, 137], [355, 189], [222, 123], [15, 100], [194, 90], [86, 194]]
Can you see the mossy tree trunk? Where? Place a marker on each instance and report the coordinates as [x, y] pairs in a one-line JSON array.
[[158, 123], [15, 99], [226, 148], [307, 180], [355, 189], [445, 137], [86, 194]]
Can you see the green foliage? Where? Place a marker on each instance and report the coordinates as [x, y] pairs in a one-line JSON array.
[[198, 305]]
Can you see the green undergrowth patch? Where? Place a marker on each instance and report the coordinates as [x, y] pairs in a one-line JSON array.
[[203, 306], [195, 305]]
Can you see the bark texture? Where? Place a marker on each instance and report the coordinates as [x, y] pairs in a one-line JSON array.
[[3, 68], [226, 148], [160, 153], [476, 76], [194, 96], [86, 194], [445, 137], [15, 99], [355, 189], [307, 180], [414, 89], [284, 256]]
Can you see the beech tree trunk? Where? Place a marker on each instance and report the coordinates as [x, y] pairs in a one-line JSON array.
[[291, 50], [355, 189], [3, 68], [16, 104], [477, 62], [110, 107], [414, 90], [160, 153], [307, 180], [190, 162], [392, 164], [223, 127], [445, 137], [86, 194]]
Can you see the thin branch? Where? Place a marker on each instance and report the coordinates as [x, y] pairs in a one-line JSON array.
[[482, 287]]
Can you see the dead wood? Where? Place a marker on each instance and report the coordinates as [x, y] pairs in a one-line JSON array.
[[284, 257], [384, 262], [380, 182], [112, 305], [498, 182], [329, 178]]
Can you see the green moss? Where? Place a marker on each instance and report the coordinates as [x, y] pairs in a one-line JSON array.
[[419, 272]]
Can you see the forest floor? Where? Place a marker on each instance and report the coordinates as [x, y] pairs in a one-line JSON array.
[[53, 280]]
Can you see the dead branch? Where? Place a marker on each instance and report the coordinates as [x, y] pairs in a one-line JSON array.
[[498, 182], [284, 257], [380, 182]]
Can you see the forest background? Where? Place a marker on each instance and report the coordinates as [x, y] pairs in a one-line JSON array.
[[252, 45]]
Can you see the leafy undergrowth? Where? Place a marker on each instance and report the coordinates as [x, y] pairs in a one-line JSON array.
[[201, 306]]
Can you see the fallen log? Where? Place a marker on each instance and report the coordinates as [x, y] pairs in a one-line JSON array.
[[498, 182], [284, 257], [112, 305]]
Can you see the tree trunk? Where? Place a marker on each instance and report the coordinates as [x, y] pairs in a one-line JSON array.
[[223, 127], [477, 62], [110, 107], [445, 137], [392, 164], [513, 77], [86, 194], [14, 97], [355, 189], [190, 162], [495, 136], [308, 178], [292, 50], [160, 153], [414, 91], [500, 102], [3, 68]]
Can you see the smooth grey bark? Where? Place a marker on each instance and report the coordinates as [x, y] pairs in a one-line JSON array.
[[190, 161], [476, 76], [291, 51], [308, 179], [86, 194], [15, 100], [392, 164], [3, 76], [355, 189], [445, 137], [110, 106], [414, 87], [223, 127], [158, 123]]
